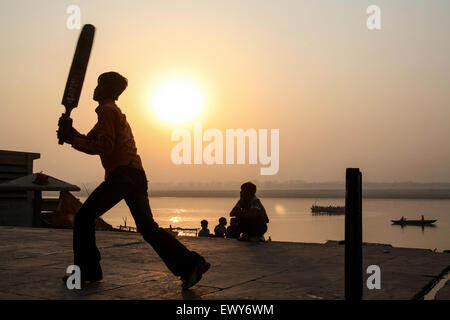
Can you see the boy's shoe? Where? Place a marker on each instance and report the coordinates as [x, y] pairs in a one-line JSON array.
[[196, 274]]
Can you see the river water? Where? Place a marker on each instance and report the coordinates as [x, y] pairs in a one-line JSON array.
[[291, 219]]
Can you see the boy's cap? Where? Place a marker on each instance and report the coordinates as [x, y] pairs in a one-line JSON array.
[[115, 82]]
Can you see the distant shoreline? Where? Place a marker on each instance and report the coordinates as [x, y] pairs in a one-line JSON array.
[[319, 193]]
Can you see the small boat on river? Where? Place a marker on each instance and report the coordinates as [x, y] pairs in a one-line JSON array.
[[330, 210], [422, 222]]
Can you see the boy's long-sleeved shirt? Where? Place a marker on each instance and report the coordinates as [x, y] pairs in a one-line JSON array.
[[111, 138]]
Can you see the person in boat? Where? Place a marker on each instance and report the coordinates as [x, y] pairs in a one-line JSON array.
[[250, 213], [220, 229], [112, 139], [204, 232], [233, 229]]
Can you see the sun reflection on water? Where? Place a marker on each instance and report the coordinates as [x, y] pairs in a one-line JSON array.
[[175, 219], [280, 209]]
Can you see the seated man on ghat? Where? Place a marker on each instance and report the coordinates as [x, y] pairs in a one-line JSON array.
[[250, 214]]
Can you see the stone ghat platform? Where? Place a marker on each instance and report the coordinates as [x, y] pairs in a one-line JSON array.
[[33, 260]]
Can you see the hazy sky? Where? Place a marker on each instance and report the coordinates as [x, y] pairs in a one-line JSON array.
[[341, 95]]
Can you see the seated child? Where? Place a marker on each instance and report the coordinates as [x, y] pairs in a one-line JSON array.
[[233, 229], [220, 229], [204, 232]]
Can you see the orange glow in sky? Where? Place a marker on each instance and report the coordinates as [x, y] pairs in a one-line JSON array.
[[341, 95]]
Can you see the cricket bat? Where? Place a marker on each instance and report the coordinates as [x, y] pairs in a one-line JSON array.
[[78, 70]]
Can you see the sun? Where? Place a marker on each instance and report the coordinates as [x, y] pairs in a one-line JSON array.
[[177, 100]]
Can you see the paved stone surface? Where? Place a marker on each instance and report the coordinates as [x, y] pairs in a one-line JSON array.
[[33, 260]]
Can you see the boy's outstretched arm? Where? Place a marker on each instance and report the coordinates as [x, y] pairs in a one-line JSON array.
[[100, 139]]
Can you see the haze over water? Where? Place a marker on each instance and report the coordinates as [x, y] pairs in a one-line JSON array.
[[291, 219]]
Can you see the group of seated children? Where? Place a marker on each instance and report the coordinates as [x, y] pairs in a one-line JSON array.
[[249, 222]]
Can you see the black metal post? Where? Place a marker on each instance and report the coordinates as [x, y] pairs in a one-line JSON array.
[[353, 235]]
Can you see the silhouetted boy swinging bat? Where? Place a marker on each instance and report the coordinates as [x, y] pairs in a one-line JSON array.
[[112, 139]]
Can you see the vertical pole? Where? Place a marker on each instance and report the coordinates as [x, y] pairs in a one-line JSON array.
[[353, 235]]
